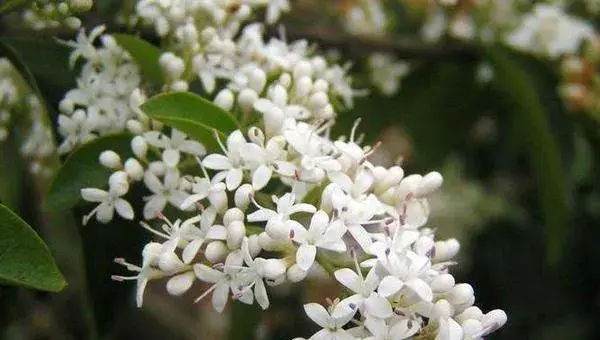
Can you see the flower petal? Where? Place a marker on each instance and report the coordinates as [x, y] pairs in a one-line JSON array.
[[305, 256], [220, 296], [378, 306], [421, 288], [261, 177], [389, 286], [349, 279], [318, 314], [94, 195], [124, 209], [216, 162], [260, 293], [207, 274], [234, 178]]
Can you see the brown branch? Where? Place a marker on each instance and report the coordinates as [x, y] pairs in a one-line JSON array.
[[360, 47]]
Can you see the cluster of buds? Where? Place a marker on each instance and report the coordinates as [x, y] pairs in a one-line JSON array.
[[100, 104], [43, 14]]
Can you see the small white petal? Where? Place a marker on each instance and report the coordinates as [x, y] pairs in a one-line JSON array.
[[349, 278], [220, 296], [94, 195], [216, 162], [421, 288], [179, 284], [124, 209], [234, 178], [305, 256], [261, 177], [389, 286], [318, 314]]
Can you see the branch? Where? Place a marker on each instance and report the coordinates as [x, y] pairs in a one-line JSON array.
[[360, 47]]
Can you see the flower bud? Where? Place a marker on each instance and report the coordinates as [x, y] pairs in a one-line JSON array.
[[256, 136], [493, 320], [470, 313], [278, 230], [242, 196], [158, 168], [172, 65], [285, 80], [319, 64], [134, 169], [295, 273], [303, 87], [110, 159], [442, 309], [231, 215], [446, 250], [273, 268], [216, 251], [302, 68], [139, 147], [225, 99], [72, 23], [180, 86], [135, 127], [179, 284], [119, 183], [424, 246], [318, 100], [461, 293], [430, 183], [442, 283], [321, 85], [471, 328], [169, 262], [257, 80], [235, 234], [266, 242], [246, 99]]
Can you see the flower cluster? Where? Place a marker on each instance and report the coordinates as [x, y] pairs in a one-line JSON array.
[[8, 97], [43, 14], [281, 197], [101, 102]]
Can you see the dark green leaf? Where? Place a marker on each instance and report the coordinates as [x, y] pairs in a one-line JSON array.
[[12, 5], [191, 114], [145, 55], [527, 107], [44, 64], [24, 258], [82, 170]]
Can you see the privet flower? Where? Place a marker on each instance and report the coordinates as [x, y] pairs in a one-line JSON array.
[[279, 197]]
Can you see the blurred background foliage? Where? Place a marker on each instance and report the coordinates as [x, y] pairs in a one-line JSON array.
[[521, 192]]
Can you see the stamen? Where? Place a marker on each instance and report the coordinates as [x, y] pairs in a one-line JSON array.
[[218, 138], [208, 291], [354, 128], [155, 232]]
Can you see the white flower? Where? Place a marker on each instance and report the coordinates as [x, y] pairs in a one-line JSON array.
[[177, 142], [279, 223], [320, 234], [365, 297], [109, 201], [84, 45], [162, 192], [332, 323], [231, 166], [222, 281]]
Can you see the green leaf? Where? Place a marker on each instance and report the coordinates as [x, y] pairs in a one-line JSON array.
[[193, 115], [145, 55], [44, 64], [82, 170], [527, 106], [12, 5], [24, 258]]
